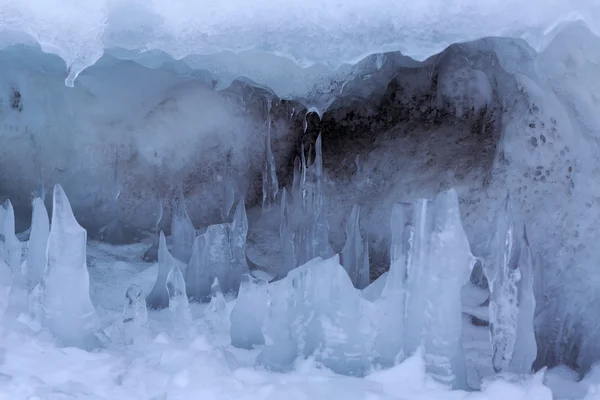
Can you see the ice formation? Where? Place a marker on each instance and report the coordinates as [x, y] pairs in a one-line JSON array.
[[134, 316], [64, 291], [216, 313], [355, 254], [270, 184], [509, 270], [182, 230], [12, 252], [38, 241], [219, 253], [158, 297], [249, 313], [178, 301]]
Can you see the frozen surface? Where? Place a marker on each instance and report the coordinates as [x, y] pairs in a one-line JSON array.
[[65, 307], [321, 34]]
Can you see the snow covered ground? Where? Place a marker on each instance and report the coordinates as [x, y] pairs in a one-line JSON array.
[[162, 364]]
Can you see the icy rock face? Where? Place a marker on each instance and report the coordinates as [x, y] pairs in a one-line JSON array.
[[64, 291], [509, 271], [38, 242], [316, 311], [158, 298], [355, 254], [249, 313], [219, 253], [182, 230]]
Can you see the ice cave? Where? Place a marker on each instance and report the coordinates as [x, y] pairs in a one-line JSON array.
[[299, 199]]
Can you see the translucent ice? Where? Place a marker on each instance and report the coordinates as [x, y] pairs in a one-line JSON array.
[[287, 235], [135, 314], [374, 290], [228, 198], [270, 184], [216, 312], [17, 301], [316, 311], [390, 306], [355, 254], [38, 241], [507, 259], [198, 274], [440, 264], [158, 297], [237, 237], [219, 253], [182, 230], [178, 301], [249, 313], [11, 245], [67, 310]]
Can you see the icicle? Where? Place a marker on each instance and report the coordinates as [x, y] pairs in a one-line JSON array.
[[270, 185], [355, 256], [158, 298], [182, 230]]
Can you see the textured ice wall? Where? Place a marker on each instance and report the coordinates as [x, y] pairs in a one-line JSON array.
[[150, 126], [301, 32]]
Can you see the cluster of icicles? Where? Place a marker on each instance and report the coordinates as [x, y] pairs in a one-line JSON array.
[[318, 305]]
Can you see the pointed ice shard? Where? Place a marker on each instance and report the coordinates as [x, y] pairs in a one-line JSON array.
[[238, 234], [316, 311], [288, 248], [525, 350], [228, 199], [508, 258], [178, 302], [38, 241], [134, 316], [199, 273], [216, 312], [355, 257], [441, 264], [158, 298], [12, 246], [152, 253], [270, 185], [390, 315], [68, 311], [374, 290], [249, 313], [182, 230]]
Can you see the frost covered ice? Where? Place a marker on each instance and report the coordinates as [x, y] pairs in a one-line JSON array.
[[64, 291], [38, 241], [509, 270]]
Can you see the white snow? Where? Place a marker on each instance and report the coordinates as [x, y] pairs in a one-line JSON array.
[[266, 35], [158, 365]]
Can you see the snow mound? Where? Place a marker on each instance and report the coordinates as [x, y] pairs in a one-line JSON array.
[[264, 34]]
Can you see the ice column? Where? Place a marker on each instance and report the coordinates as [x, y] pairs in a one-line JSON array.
[[158, 298], [355, 254], [182, 230], [135, 314], [38, 241], [390, 306], [238, 235], [67, 310], [249, 313], [178, 302], [440, 264], [508, 263], [270, 185]]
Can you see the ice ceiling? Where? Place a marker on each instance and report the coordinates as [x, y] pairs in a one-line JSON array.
[[327, 34], [132, 106]]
